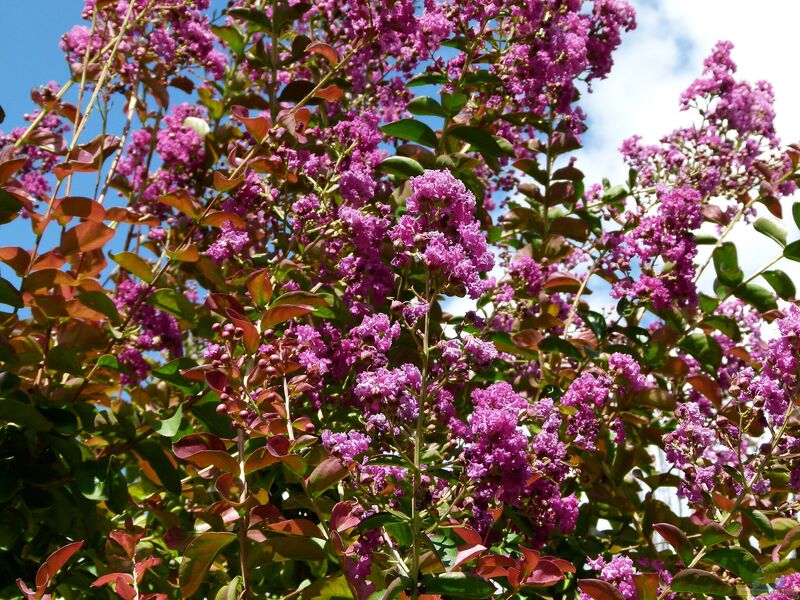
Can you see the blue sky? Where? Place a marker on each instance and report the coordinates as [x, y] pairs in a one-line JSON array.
[[29, 53], [654, 64]]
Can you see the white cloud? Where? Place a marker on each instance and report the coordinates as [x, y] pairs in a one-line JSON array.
[[659, 60]]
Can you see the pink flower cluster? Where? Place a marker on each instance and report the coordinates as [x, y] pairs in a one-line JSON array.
[[440, 228]]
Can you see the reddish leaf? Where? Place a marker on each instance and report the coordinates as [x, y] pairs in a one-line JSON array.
[[281, 313], [188, 253], [251, 337], [562, 282], [220, 218], [224, 184], [54, 563], [546, 573], [646, 586], [112, 578], [257, 127], [465, 554], [126, 541], [9, 167], [46, 278], [302, 527], [706, 386], [124, 590], [302, 298], [83, 208], [468, 534], [204, 450], [343, 516], [324, 50], [15, 257], [495, 565], [677, 539], [229, 487], [326, 474], [85, 237], [183, 201], [599, 590], [331, 93], [259, 284], [216, 379], [197, 559]]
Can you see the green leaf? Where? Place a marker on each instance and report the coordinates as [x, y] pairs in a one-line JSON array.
[[726, 325], [761, 521], [713, 534], [796, 213], [231, 36], [171, 373], [427, 79], [166, 471], [65, 360], [402, 166], [8, 203], [759, 298], [595, 321], [426, 106], [704, 348], [26, 415], [781, 283], [173, 302], [197, 559], [377, 520], [412, 131], [111, 362], [792, 251], [135, 264], [558, 344], [169, 427], [10, 295], [453, 103], [738, 561], [481, 140], [772, 229], [700, 582], [458, 585], [726, 264], [100, 302], [230, 591], [258, 19]]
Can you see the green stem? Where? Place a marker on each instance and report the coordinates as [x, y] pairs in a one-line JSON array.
[[416, 525]]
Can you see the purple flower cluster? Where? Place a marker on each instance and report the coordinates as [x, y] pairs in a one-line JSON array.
[[618, 572], [440, 226], [157, 331], [626, 367], [560, 43], [776, 385], [347, 446], [390, 392], [177, 36], [587, 395], [725, 156], [498, 455], [232, 241], [688, 446], [666, 236], [786, 588]]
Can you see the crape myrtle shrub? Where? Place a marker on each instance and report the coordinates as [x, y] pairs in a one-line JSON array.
[[232, 368]]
